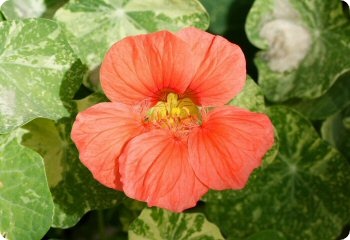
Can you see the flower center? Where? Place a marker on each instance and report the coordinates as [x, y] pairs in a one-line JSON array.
[[175, 113]]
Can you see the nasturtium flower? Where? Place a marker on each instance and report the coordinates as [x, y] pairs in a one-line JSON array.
[[167, 136]]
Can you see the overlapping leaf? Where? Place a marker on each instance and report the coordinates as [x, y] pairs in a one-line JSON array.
[[26, 206], [333, 101], [250, 97], [73, 188], [39, 72], [336, 130], [304, 192], [219, 15], [156, 223], [306, 46], [93, 26]]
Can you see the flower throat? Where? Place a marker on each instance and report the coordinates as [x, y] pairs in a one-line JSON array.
[[176, 114]]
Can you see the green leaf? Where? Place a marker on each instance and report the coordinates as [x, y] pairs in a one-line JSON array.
[[52, 6], [304, 192], [156, 223], [90, 100], [26, 206], [73, 188], [267, 235], [306, 46], [219, 15], [336, 130], [17, 9], [39, 72], [250, 97], [93, 26], [2, 18], [334, 100]]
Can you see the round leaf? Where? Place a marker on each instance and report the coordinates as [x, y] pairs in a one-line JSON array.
[[26, 206], [306, 46]]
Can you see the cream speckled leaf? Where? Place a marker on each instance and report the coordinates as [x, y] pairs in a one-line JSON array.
[[26, 206], [19, 9], [73, 188], [250, 97], [306, 46], [304, 192], [156, 223], [94, 25], [39, 72]]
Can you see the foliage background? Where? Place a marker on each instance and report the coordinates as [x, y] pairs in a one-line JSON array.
[[298, 60]]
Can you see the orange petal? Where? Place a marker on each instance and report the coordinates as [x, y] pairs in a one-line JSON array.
[[100, 133], [145, 66], [154, 168], [228, 146], [220, 66]]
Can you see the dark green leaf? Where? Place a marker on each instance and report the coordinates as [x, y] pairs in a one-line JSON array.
[[26, 206], [156, 223], [334, 100], [219, 15], [2, 18], [304, 192], [267, 235], [336, 130]]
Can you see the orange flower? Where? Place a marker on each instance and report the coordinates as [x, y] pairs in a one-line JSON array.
[[167, 136]]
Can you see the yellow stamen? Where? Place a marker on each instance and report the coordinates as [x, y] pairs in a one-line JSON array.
[[173, 112]]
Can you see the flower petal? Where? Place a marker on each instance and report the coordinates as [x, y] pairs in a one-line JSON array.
[[220, 66], [100, 133], [228, 146], [154, 168], [144, 66]]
